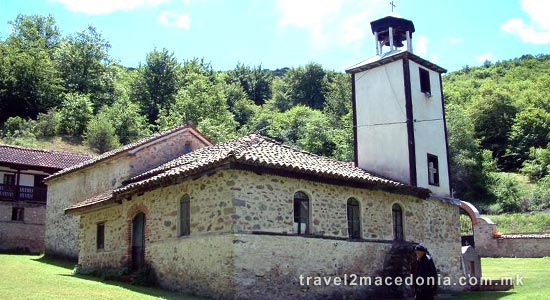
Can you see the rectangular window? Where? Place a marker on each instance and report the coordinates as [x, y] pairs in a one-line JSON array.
[[187, 148], [9, 179], [101, 236], [17, 214], [184, 216], [425, 81], [433, 170]]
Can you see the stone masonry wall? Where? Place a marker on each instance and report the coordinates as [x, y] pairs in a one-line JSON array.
[[227, 256], [162, 151], [61, 237], [64, 191], [528, 245], [26, 235], [264, 203], [200, 263]]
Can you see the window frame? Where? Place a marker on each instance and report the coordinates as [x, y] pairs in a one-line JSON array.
[[398, 222], [354, 222], [431, 158], [100, 236], [184, 216], [18, 214], [299, 198], [187, 148], [425, 82]]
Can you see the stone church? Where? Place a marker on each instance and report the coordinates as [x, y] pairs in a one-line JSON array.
[[245, 219]]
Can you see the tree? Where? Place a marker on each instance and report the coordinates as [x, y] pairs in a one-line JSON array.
[[531, 128], [83, 62], [493, 114], [35, 31], [303, 85], [125, 117], [468, 177], [157, 83], [100, 133], [203, 102], [76, 110], [29, 82], [256, 82]]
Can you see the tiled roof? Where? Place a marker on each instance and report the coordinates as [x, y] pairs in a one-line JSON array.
[[40, 158], [127, 147], [256, 151]]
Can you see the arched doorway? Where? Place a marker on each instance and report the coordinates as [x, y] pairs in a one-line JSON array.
[[468, 218], [138, 241]]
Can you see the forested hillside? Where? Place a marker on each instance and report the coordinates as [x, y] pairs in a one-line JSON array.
[[55, 86]]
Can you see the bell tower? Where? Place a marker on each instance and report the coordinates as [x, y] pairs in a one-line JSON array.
[[398, 112]]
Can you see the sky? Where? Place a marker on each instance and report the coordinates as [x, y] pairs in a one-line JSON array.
[[292, 33]]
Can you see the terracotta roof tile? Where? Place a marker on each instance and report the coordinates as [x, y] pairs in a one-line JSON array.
[[124, 148], [259, 151], [40, 157]]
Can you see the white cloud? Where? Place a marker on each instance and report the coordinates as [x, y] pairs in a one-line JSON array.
[[537, 29], [485, 56], [420, 45], [455, 40], [101, 7], [172, 19], [186, 1], [330, 23]]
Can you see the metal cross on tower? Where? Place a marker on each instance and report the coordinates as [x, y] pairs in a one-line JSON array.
[[392, 5]]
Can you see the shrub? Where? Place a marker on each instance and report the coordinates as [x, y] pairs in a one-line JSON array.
[[145, 277], [506, 189], [100, 134], [48, 124], [76, 110], [541, 195]]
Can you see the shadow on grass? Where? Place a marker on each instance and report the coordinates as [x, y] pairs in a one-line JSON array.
[[485, 295], [149, 291], [54, 261]]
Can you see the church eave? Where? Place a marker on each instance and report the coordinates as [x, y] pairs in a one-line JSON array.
[[391, 58]]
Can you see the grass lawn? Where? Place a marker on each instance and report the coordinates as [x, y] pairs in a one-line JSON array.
[[521, 223], [535, 273], [28, 277]]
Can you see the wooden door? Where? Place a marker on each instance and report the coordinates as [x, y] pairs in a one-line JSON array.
[[138, 241]]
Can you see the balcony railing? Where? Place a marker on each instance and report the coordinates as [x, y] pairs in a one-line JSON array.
[[22, 192]]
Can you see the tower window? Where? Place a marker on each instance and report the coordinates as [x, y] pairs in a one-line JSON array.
[[425, 81], [433, 170], [301, 213]]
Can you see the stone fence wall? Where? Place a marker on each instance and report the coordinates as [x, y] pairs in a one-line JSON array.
[[488, 243]]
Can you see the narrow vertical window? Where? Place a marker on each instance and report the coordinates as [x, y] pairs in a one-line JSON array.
[[17, 214], [425, 81], [354, 219], [184, 216], [301, 213], [187, 148], [100, 236], [433, 170], [397, 216]]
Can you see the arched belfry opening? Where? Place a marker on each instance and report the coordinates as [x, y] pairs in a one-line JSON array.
[[392, 32]]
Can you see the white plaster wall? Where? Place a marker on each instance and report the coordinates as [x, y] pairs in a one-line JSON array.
[[429, 130], [380, 99]]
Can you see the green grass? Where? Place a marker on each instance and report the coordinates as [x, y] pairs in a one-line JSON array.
[[535, 273], [28, 277], [522, 222]]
